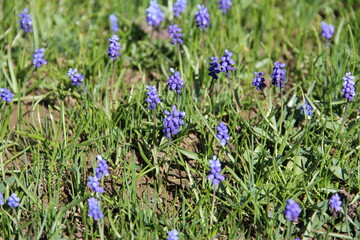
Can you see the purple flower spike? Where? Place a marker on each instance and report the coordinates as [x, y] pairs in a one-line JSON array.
[[179, 7], [227, 63], [175, 82], [94, 185], [278, 76], [259, 81], [38, 58], [215, 170], [1, 199], [13, 201], [114, 47], [6, 95], [103, 167], [224, 5], [25, 21], [335, 202], [348, 89], [292, 210], [114, 23], [306, 108], [153, 97], [75, 77], [202, 17], [223, 133], [175, 34], [154, 15], [173, 235], [172, 122], [328, 30], [214, 68], [94, 209]]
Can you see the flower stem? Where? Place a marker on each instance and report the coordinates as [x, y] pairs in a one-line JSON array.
[[213, 206]]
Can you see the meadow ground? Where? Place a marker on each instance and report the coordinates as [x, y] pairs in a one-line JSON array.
[[52, 131]]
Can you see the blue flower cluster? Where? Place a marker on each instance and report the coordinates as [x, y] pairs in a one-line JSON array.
[[214, 68], [292, 210], [13, 200], [215, 170], [153, 97], [278, 76], [175, 34], [259, 81], [223, 133], [179, 7], [25, 21], [172, 122], [6, 95], [306, 108], [175, 83], [335, 202], [154, 15], [114, 48], [328, 30], [224, 5], [102, 168], [75, 77], [173, 235], [38, 58], [227, 63], [94, 184], [202, 17], [94, 209], [1, 199], [348, 89], [114, 23]]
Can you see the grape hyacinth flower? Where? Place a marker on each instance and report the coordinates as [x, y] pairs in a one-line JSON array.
[[6, 95], [224, 5], [13, 201], [38, 58], [25, 21], [215, 169], [292, 210], [153, 97], [94, 184], [114, 23], [1, 199], [173, 235], [214, 68], [175, 34], [202, 17], [75, 77], [94, 209], [172, 122], [278, 76], [306, 108], [348, 89], [175, 82], [328, 30], [223, 133], [226, 62], [259, 81], [103, 167], [179, 7], [154, 15], [335, 202], [114, 48]]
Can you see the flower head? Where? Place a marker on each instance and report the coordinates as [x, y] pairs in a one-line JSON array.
[[202, 17], [114, 47], [223, 133], [215, 170], [214, 68], [224, 5], [172, 122], [102, 168], [179, 7], [335, 202], [114, 23], [175, 83], [94, 209], [348, 89], [38, 58], [306, 108], [328, 30], [292, 210], [227, 63], [13, 201], [259, 81], [175, 34], [173, 235], [154, 15], [6, 95], [94, 184], [1, 199], [153, 97], [278, 76], [25, 21], [75, 77]]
